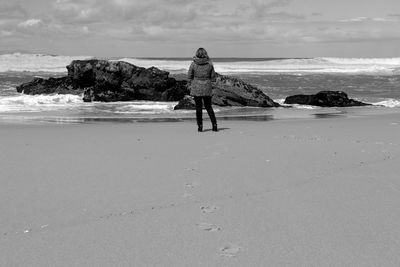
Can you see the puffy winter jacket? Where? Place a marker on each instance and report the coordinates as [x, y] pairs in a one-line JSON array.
[[201, 73]]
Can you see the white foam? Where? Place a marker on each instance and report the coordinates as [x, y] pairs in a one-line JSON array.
[[297, 106], [317, 65], [58, 102], [173, 66], [18, 62], [362, 61], [385, 66], [145, 107], [305, 106], [33, 103], [390, 103], [280, 101]]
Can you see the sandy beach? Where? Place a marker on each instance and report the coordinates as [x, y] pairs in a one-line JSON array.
[[306, 192]]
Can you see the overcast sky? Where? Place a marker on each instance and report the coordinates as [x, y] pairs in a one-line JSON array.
[[226, 28]]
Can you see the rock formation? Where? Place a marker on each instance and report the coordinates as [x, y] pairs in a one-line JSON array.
[[325, 99], [230, 91], [120, 81], [187, 102], [102, 80], [49, 86]]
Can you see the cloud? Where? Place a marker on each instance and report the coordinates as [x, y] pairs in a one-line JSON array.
[[11, 11], [261, 9], [156, 19], [76, 12], [183, 22], [10, 15], [191, 21], [30, 23], [367, 19], [367, 31], [151, 12], [6, 33], [358, 19], [139, 19], [393, 17], [85, 29]]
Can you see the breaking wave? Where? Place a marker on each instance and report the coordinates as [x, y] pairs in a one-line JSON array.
[[390, 103], [63, 102], [32, 103], [384, 66], [18, 62]]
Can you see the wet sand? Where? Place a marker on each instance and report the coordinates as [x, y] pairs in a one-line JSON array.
[[304, 192]]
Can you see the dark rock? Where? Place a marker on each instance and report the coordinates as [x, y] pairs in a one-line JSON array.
[[49, 86], [186, 103], [179, 90], [299, 99], [230, 91], [121, 81], [102, 80], [325, 99]]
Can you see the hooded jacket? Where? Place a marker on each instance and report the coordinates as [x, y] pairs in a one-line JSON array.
[[201, 73]]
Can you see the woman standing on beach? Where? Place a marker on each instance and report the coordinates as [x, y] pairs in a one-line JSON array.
[[201, 73]]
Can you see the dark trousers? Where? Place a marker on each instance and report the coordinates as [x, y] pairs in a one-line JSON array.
[[199, 109]]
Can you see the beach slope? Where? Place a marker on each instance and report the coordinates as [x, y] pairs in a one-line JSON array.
[[309, 192]]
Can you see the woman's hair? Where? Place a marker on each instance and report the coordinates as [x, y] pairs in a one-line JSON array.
[[201, 53]]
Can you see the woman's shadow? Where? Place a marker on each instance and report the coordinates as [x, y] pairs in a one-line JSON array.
[[219, 129]]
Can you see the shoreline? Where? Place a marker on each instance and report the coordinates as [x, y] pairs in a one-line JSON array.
[[223, 114]]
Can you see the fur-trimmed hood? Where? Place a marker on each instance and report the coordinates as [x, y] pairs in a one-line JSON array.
[[201, 61]]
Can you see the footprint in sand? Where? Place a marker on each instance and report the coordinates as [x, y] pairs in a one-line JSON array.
[[209, 227], [230, 250], [209, 209], [187, 195], [190, 185]]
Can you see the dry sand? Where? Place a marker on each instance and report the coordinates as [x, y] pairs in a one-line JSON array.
[[311, 192]]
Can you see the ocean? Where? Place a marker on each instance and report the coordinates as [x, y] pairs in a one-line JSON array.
[[372, 80]]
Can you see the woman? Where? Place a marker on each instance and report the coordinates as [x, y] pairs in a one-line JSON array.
[[201, 73]]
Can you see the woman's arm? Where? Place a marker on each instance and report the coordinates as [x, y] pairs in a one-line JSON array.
[[191, 72], [212, 74]]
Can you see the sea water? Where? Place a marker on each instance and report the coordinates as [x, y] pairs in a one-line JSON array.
[[372, 80]]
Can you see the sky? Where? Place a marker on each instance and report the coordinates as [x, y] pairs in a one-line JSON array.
[[226, 28]]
